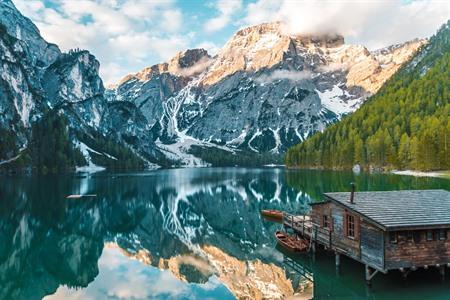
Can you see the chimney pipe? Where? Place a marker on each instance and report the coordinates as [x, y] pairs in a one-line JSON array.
[[352, 194]]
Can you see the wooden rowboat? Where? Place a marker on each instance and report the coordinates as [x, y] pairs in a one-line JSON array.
[[291, 243], [272, 214]]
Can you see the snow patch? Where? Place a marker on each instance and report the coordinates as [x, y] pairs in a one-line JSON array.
[[334, 100], [75, 75], [276, 134], [91, 167], [258, 133], [23, 102], [240, 139], [18, 32], [178, 152], [95, 121]]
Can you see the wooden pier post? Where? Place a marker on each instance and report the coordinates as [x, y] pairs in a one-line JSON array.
[[370, 274], [367, 275], [442, 272], [338, 260], [303, 226], [405, 273]]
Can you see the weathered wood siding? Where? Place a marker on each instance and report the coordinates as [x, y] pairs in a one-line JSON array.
[[318, 211], [339, 239], [372, 245], [405, 254], [343, 243]]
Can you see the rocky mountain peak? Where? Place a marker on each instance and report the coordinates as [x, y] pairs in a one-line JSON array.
[[263, 46], [263, 28], [189, 62], [187, 58], [74, 77], [185, 63], [23, 29], [323, 41], [250, 49]]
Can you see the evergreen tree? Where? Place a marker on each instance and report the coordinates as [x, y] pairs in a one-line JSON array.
[[406, 124]]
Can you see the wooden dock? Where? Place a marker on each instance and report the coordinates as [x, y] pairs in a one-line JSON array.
[[302, 225]]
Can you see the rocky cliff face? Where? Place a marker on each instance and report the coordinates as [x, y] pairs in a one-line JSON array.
[[264, 91], [36, 78], [41, 53]]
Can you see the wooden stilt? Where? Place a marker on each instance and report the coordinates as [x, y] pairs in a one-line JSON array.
[[442, 272], [338, 263], [370, 273], [405, 273], [338, 260], [367, 275]]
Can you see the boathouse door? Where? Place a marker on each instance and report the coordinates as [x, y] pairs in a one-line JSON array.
[[372, 246]]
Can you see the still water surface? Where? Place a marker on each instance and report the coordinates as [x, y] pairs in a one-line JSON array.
[[181, 234]]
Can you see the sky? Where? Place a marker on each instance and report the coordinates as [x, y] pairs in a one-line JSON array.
[[128, 35]]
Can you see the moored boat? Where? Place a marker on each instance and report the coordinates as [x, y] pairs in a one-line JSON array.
[[272, 214], [290, 242]]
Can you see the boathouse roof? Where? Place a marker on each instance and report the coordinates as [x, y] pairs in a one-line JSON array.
[[392, 210]]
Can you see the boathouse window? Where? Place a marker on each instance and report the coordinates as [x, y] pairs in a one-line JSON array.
[[442, 234], [429, 235], [409, 236], [350, 226], [416, 236], [326, 222], [393, 237]]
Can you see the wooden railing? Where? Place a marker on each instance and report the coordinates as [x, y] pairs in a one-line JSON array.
[[303, 225]]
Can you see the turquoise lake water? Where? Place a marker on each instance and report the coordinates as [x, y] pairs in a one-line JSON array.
[[166, 234]]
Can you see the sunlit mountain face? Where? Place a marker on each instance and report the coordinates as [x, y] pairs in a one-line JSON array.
[[195, 231]]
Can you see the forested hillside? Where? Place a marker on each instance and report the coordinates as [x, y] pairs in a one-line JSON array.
[[406, 125]]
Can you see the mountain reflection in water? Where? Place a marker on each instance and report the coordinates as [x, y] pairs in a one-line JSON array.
[[182, 234]]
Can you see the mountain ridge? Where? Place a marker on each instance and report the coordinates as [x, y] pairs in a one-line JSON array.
[[52, 104], [263, 92], [404, 126]]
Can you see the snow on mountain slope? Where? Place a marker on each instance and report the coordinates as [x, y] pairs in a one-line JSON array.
[[263, 92], [37, 80]]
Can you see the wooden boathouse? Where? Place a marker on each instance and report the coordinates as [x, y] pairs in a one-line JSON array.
[[386, 230]]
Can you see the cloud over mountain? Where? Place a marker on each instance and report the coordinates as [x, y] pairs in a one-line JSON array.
[[372, 23]]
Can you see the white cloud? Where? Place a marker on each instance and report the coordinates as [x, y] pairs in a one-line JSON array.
[[226, 9], [172, 20], [128, 35], [209, 46], [262, 11], [124, 35], [284, 75], [371, 23], [332, 67], [197, 68]]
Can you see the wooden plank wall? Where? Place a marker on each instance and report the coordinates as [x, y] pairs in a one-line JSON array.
[[339, 238], [372, 245], [407, 254]]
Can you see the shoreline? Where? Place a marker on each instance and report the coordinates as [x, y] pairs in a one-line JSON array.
[[438, 174]]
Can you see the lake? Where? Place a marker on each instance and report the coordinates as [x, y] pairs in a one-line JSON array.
[[182, 234]]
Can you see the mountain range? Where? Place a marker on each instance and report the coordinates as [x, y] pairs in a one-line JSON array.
[[263, 92], [405, 125]]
